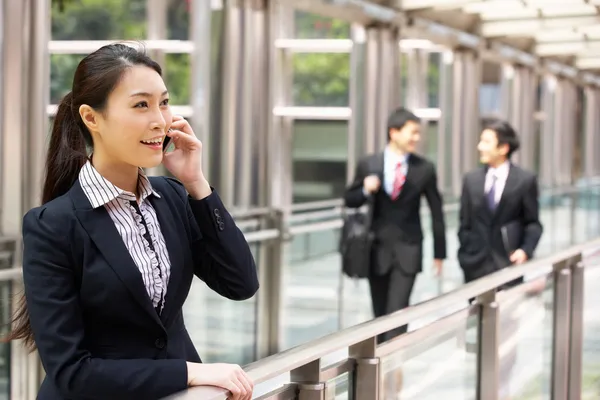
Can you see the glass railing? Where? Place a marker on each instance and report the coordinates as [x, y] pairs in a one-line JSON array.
[[523, 343]]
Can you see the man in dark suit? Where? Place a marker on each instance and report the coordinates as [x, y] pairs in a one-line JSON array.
[[499, 209], [394, 180]]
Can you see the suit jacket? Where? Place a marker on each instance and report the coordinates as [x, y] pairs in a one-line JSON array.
[[398, 243], [97, 333], [480, 229]]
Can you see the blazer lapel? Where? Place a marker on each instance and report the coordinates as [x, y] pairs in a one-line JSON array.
[[174, 238], [105, 236]]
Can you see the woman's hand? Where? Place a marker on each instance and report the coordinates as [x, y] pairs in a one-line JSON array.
[[185, 162], [227, 376]]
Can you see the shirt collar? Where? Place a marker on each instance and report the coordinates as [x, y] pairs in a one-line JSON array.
[[100, 191], [394, 157], [501, 171]]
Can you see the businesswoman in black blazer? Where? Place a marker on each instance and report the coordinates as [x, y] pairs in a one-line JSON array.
[[110, 255]]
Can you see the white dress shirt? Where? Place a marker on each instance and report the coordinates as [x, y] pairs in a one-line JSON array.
[[131, 222], [501, 174], [390, 161]]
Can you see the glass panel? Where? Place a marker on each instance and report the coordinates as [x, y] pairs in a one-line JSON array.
[[178, 19], [433, 79], [62, 71], [338, 388], [320, 153], [313, 26], [321, 79], [99, 20], [591, 329], [311, 280], [5, 354], [222, 330], [441, 365], [177, 78], [525, 338]]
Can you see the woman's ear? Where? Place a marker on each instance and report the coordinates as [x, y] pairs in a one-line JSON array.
[[90, 118]]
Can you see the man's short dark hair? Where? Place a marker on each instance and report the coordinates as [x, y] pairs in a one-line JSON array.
[[400, 117], [505, 135]]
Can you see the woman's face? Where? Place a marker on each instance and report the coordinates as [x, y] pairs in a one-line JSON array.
[[133, 126]]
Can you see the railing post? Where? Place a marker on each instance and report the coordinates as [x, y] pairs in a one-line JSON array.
[[367, 373], [561, 331], [576, 325], [308, 381], [487, 356]]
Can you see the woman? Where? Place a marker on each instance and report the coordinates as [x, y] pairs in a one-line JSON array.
[[110, 255]]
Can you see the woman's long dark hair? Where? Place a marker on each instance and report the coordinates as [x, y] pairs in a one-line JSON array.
[[95, 78]]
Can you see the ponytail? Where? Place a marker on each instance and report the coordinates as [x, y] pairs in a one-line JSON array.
[[66, 156], [67, 150]]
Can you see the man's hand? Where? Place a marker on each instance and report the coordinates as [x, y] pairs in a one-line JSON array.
[[437, 266], [372, 183], [518, 257]]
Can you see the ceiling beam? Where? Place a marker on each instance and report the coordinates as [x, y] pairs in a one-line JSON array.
[[410, 5], [528, 26], [581, 47]]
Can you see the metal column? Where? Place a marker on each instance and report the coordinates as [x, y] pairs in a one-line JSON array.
[[356, 125], [591, 142], [465, 116], [388, 83], [547, 161], [200, 34], [371, 124], [230, 105], [521, 107]]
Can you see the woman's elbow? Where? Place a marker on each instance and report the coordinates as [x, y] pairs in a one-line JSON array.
[[249, 286]]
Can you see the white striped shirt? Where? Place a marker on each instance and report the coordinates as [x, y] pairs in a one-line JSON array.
[[154, 265]]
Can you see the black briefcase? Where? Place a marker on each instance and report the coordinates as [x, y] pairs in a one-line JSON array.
[[356, 241]]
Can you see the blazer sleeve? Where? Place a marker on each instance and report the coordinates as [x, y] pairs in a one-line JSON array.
[[52, 298], [354, 197], [531, 218], [222, 257], [464, 214], [434, 199]]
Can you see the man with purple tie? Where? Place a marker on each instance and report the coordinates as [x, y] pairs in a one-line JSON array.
[[499, 208]]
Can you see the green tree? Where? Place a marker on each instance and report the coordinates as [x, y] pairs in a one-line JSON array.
[[321, 79]]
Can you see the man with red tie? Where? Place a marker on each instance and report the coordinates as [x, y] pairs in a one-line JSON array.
[[394, 181]]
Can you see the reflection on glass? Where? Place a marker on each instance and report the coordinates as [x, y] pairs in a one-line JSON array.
[[320, 153], [222, 330], [525, 337], [99, 20], [313, 26], [321, 79], [62, 70], [441, 366], [311, 282], [338, 388]]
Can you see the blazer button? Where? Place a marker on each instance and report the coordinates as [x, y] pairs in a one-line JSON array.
[[159, 343], [221, 226], [216, 212]]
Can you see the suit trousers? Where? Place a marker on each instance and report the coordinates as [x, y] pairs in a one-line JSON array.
[[389, 293]]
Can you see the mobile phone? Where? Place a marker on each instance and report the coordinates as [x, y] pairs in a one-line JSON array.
[[166, 143]]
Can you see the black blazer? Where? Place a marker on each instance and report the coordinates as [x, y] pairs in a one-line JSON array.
[[399, 241], [480, 230], [95, 328]]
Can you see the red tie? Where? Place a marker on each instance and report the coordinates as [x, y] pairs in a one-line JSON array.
[[399, 180]]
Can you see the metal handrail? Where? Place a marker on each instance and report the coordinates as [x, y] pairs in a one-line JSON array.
[[286, 361]]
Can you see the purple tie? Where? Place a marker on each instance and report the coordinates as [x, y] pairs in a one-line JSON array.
[[491, 194]]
